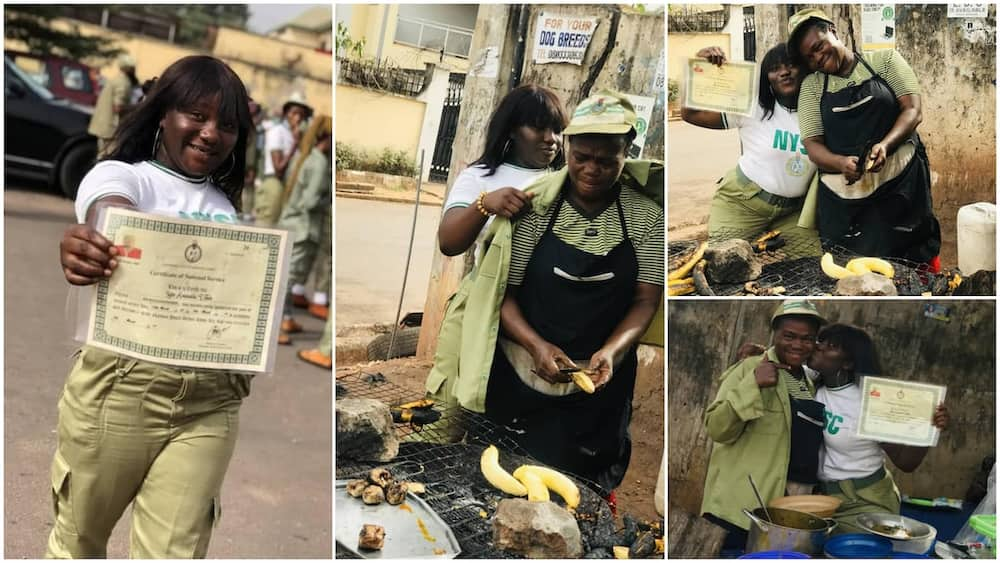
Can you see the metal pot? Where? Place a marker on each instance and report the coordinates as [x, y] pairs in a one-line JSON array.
[[789, 530]]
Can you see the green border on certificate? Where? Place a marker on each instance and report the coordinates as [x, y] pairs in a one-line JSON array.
[[190, 293], [731, 88], [899, 412]]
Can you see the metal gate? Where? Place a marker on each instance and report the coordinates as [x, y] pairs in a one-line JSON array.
[[441, 160], [749, 35]]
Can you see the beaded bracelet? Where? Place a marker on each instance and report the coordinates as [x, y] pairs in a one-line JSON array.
[[479, 205]]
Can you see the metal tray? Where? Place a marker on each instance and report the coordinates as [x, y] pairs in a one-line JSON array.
[[403, 536]]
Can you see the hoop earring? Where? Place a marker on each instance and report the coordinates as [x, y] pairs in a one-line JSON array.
[[225, 176], [506, 148], [156, 141]]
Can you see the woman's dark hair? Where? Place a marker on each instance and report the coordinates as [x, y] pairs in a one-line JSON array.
[[822, 26], [856, 344], [532, 105], [775, 57], [181, 86]]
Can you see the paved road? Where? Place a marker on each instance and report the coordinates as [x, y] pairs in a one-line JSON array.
[[371, 243], [697, 158], [277, 494]]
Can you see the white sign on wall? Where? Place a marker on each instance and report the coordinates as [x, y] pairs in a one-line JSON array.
[[968, 10], [878, 27], [644, 113], [562, 39], [660, 77]]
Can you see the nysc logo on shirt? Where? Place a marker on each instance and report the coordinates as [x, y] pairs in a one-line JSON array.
[[832, 421], [785, 141]]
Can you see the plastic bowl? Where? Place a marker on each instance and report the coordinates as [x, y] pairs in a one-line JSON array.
[[857, 546]]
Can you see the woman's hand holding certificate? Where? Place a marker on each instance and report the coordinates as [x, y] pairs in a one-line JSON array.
[[190, 293]]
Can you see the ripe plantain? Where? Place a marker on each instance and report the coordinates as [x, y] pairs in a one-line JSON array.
[[583, 381], [559, 483], [865, 265], [537, 491], [682, 272], [831, 269], [497, 476]]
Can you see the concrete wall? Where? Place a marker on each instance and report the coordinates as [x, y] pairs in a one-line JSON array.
[[704, 336], [376, 120], [271, 69], [629, 66], [366, 21]]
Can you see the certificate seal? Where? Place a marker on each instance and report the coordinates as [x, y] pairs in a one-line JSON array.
[[193, 252]]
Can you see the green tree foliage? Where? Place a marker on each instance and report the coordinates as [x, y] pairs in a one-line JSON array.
[[346, 46], [194, 20], [31, 24]]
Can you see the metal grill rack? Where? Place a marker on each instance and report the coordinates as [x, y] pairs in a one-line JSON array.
[[456, 489], [804, 276]]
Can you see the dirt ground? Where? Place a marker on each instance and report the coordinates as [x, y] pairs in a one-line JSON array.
[[635, 494]]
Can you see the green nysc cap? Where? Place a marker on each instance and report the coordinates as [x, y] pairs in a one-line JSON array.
[[796, 307], [606, 112], [796, 23]]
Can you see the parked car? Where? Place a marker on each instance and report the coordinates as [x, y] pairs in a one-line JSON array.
[[65, 78], [45, 137]]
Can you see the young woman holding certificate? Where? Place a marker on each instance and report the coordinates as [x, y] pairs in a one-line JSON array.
[[766, 188], [852, 468], [157, 436]]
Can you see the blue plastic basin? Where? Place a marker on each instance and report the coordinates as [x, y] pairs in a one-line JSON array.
[[775, 555], [857, 546]]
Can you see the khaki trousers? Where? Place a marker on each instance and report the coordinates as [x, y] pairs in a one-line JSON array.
[[152, 435], [882, 496], [737, 213], [267, 201]]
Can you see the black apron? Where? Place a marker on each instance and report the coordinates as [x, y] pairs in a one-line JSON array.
[[808, 421], [897, 219], [580, 433]]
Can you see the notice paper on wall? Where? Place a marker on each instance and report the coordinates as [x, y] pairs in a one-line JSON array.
[[562, 39]]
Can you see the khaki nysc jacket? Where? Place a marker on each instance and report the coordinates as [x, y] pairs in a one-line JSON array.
[[310, 200], [471, 323], [751, 431], [104, 120]]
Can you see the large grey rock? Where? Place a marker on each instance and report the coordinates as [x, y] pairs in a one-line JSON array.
[[866, 284], [731, 261], [536, 530], [365, 430]]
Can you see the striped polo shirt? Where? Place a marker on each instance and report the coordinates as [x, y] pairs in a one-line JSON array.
[[643, 218]]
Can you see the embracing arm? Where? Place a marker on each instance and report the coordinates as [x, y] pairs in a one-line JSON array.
[[461, 225]]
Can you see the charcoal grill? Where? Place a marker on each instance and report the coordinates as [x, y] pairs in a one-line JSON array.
[[456, 489], [800, 276]]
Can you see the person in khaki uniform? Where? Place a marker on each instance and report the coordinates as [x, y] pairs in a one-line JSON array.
[[307, 217], [155, 435], [765, 423], [112, 102], [280, 144]]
